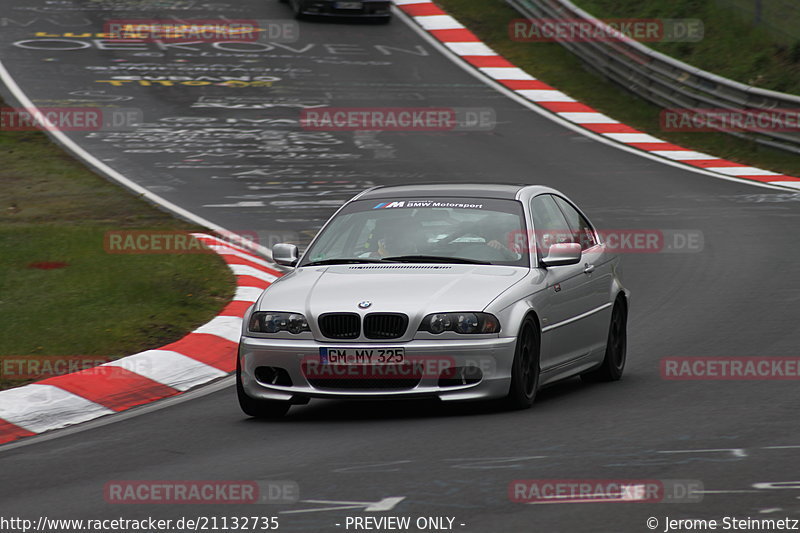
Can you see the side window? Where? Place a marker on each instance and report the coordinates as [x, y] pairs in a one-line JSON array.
[[578, 224], [550, 226]]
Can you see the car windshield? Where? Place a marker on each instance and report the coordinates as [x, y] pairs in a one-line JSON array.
[[418, 230]]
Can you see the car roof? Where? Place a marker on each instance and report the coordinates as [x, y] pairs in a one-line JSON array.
[[468, 190]]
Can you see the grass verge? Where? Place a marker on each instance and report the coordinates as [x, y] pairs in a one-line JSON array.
[[54, 210], [553, 64], [731, 47]]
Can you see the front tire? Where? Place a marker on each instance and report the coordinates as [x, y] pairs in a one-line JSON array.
[[613, 364], [525, 368], [255, 407]]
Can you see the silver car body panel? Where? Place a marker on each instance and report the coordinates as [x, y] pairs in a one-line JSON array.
[[572, 305]]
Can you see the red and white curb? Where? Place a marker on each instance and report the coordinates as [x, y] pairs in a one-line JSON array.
[[464, 44], [208, 353]]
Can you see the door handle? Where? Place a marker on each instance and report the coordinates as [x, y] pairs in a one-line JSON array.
[[588, 269]]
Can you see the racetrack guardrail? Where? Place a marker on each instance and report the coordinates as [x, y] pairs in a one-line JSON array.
[[670, 83]]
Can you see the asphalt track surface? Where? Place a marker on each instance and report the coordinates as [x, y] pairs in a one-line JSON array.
[[738, 296]]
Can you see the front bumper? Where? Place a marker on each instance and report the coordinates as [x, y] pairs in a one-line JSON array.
[[369, 8], [494, 356]]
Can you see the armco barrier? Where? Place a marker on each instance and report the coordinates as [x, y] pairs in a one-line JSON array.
[[665, 81]]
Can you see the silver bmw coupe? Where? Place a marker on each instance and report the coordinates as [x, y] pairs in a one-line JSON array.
[[456, 292]]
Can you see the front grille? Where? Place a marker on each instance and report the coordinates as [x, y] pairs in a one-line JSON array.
[[385, 325], [340, 325], [364, 384], [401, 267]]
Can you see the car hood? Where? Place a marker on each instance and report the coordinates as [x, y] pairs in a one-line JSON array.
[[413, 289]]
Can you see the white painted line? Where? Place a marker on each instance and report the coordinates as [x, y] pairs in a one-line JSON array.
[[683, 155], [506, 73], [470, 49], [227, 327], [791, 184], [439, 22], [40, 408], [373, 467], [725, 491], [588, 118], [736, 452], [488, 463], [386, 504], [606, 498], [633, 138], [169, 368], [321, 509], [407, 2], [742, 171], [545, 95]]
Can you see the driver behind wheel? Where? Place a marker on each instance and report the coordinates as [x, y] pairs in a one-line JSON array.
[[498, 235]]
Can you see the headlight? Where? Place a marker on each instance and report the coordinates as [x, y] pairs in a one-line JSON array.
[[460, 323], [272, 322]]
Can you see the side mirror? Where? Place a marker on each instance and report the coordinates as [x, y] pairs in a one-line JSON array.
[[285, 254], [563, 253]]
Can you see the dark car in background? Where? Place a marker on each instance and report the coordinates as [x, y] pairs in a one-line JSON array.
[[374, 9]]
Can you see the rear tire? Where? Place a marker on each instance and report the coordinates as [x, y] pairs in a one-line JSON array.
[[525, 368], [613, 364], [255, 407]]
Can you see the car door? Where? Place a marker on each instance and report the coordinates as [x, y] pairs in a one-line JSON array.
[[566, 296], [595, 285]]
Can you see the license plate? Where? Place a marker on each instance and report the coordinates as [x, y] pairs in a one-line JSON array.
[[362, 356], [349, 5]]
